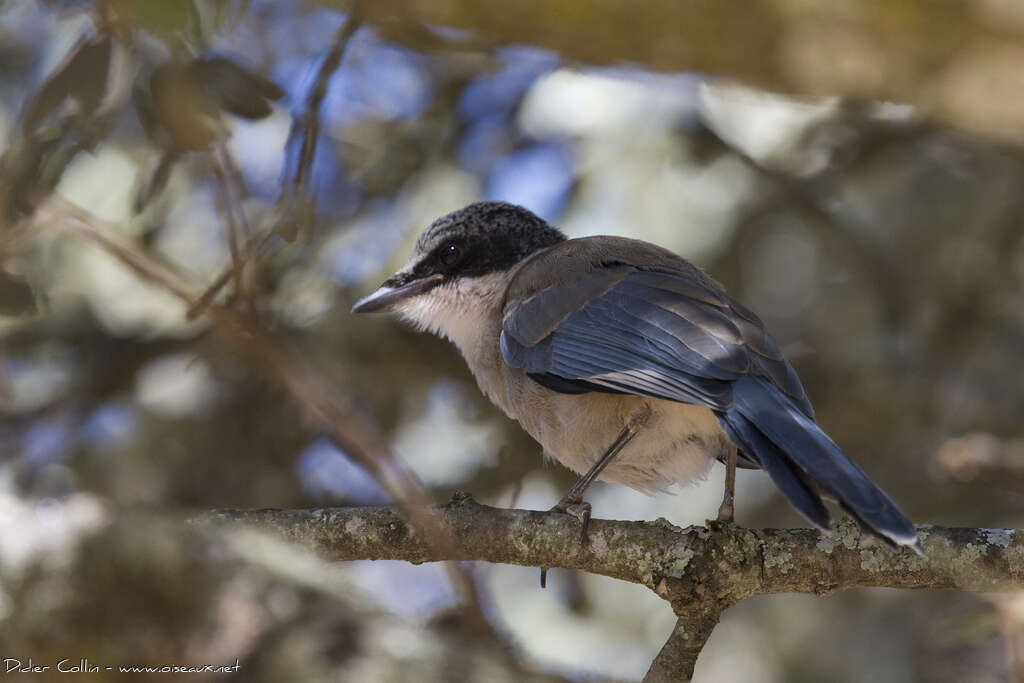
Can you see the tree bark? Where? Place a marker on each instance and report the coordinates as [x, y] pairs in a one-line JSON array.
[[700, 571]]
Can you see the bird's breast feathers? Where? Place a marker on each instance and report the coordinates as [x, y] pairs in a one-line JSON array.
[[676, 445]]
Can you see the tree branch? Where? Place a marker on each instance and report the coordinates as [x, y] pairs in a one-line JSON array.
[[678, 655], [340, 421], [701, 572], [305, 132], [308, 125], [932, 55]]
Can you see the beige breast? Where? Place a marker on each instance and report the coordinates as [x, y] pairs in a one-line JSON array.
[[676, 445]]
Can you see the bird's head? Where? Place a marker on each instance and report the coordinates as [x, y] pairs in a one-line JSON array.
[[462, 260]]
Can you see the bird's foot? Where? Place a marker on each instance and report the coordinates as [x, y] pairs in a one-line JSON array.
[[460, 497], [726, 509], [578, 509]]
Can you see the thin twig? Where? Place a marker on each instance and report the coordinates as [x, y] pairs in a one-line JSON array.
[[65, 215], [354, 435], [252, 248], [817, 197], [225, 205], [308, 126], [351, 431], [235, 188], [296, 201]]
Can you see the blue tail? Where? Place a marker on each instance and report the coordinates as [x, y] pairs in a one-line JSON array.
[[797, 455]]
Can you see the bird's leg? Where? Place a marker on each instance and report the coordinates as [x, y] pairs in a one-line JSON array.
[[725, 510], [574, 497], [572, 502]]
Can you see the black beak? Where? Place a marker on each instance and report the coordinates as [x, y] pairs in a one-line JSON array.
[[386, 296]]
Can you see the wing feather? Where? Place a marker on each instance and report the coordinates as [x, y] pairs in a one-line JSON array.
[[630, 330], [582, 320]]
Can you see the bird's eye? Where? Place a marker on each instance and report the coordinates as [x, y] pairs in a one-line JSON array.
[[450, 255]]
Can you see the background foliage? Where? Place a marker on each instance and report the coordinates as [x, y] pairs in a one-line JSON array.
[[872, 217]]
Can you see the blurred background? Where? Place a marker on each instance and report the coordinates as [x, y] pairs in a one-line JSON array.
[[872, 216]]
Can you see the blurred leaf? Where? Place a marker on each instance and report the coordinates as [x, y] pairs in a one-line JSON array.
[[69, 113], [237, 89], [182, 108], [185, 100], [76, 88]]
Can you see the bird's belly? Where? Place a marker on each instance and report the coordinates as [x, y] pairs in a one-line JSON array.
[[674, 442]]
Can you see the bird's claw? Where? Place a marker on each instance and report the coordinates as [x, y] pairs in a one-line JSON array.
[[578, 509]]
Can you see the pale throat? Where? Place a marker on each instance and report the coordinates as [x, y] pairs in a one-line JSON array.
[[466, 311]]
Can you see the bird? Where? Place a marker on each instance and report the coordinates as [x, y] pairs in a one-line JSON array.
[[626, 362]]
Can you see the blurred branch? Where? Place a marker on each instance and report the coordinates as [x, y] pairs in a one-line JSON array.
[[940, 57], [306, 127], [230, 207], [820, 198], [253, 247], [294, 208], [336, 417], [700, 572], [352, 433]]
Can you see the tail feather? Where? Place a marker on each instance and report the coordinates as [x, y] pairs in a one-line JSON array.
[[774, 462], [763, 420]]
